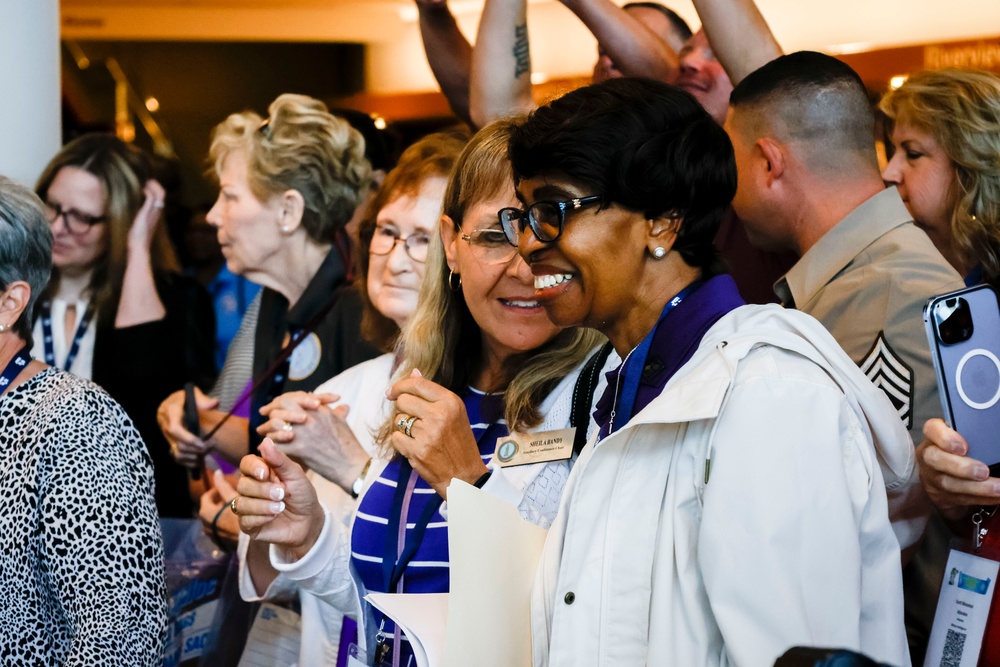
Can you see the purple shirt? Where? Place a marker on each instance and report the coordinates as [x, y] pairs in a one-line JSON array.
[[674, 342]]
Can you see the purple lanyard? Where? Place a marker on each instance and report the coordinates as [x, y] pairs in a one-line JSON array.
[[74, 348], [14, 368]]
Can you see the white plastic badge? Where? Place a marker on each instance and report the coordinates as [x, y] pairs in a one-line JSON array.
[[962, 610], [518, 449]]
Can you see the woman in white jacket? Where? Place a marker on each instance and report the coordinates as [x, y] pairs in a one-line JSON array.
[[478, 354], [732, 505], [393, 239]]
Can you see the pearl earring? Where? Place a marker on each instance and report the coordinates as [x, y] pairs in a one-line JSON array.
[[659, 252], [285, 229], [3, 327]]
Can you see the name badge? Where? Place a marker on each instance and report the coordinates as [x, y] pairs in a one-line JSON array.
[[962, 610], [518, 449]]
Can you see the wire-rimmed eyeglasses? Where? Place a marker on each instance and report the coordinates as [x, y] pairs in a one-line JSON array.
[[385, 239]]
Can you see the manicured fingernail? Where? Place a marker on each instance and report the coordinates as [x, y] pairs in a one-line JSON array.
[[277, 493], [277, 508], [416, 373], [261, 474]]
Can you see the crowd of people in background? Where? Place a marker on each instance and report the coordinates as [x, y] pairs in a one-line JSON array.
[[698, 265]]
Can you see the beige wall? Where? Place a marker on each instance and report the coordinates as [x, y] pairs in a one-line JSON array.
[[560, 45]]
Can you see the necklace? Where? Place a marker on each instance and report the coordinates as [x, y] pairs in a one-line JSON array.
[[618, 383]]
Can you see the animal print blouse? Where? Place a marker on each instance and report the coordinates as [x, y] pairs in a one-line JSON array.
[[81, 554]]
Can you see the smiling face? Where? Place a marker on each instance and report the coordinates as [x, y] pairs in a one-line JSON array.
[[394, 279], [589, 275], [925, 177], [74, 189], [500, 296], [249, 230], [703, 76]]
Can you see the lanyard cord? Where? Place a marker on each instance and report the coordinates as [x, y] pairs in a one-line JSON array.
[[633, 373], [14, 368], [393, 566], [74, 348]]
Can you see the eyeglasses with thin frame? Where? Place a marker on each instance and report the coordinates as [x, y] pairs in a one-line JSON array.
[[546, 218], [384, 240], [490, 246], [77, 223]]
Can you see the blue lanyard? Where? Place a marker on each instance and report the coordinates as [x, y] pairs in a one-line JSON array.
[[393, 567], [74, 348], [634, 367], [14, 368]]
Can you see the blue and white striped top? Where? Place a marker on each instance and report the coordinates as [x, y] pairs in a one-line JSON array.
[[428, 571]]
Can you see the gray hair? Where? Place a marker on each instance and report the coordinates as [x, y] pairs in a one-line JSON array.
[[25, 246]]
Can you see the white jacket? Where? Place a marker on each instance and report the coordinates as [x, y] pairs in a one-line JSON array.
[[325, 572], [740, 513]]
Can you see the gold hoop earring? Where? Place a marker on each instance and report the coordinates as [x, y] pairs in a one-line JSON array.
[[452, 285]]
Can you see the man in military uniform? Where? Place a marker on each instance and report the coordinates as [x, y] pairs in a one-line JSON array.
[[809, 181]]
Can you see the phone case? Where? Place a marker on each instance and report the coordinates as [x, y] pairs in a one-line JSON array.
[[963, 329]]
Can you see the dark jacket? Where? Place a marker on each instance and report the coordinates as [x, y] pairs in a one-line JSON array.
[[143, 364]]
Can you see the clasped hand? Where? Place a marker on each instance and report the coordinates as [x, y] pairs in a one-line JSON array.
[[308, 428]]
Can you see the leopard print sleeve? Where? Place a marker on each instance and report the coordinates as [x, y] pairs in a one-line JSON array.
[[92, 553]]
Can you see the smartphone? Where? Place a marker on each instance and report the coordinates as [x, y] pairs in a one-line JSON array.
[[190, 420], [963, 329]]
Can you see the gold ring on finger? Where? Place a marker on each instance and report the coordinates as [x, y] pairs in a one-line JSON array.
[[408, 426], [232, 505], [401, 420]]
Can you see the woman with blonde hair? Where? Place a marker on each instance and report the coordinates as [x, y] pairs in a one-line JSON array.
[[288, 185], [945, 143], [946, 140], [394, 236], [116, 311], [480, 358]]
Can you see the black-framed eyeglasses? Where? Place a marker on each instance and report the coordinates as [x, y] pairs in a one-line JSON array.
[[385, 239], [76, 222], [490, 246], [546, 218]]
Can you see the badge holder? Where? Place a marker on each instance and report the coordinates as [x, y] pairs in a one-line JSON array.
[[965, 629]]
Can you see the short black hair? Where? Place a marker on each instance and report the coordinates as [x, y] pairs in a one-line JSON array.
[[679, 25], [814, 97], [808, 69], [641, 144]]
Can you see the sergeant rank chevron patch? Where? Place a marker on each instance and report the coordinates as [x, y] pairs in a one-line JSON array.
[[891, 374]]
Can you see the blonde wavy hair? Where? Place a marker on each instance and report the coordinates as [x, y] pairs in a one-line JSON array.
[[961, 110], [438, 337], [300, 146]]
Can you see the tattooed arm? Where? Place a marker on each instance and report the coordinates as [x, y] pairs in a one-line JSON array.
[[501, 63], [449, 53]]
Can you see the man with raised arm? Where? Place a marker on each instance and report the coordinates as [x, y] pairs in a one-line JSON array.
[[448, 52], [809, 181], [639, 39]]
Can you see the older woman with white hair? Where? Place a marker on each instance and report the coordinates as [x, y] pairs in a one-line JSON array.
[[81, 556]]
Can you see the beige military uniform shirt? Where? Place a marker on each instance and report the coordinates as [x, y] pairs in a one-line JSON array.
[[867, 281]]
